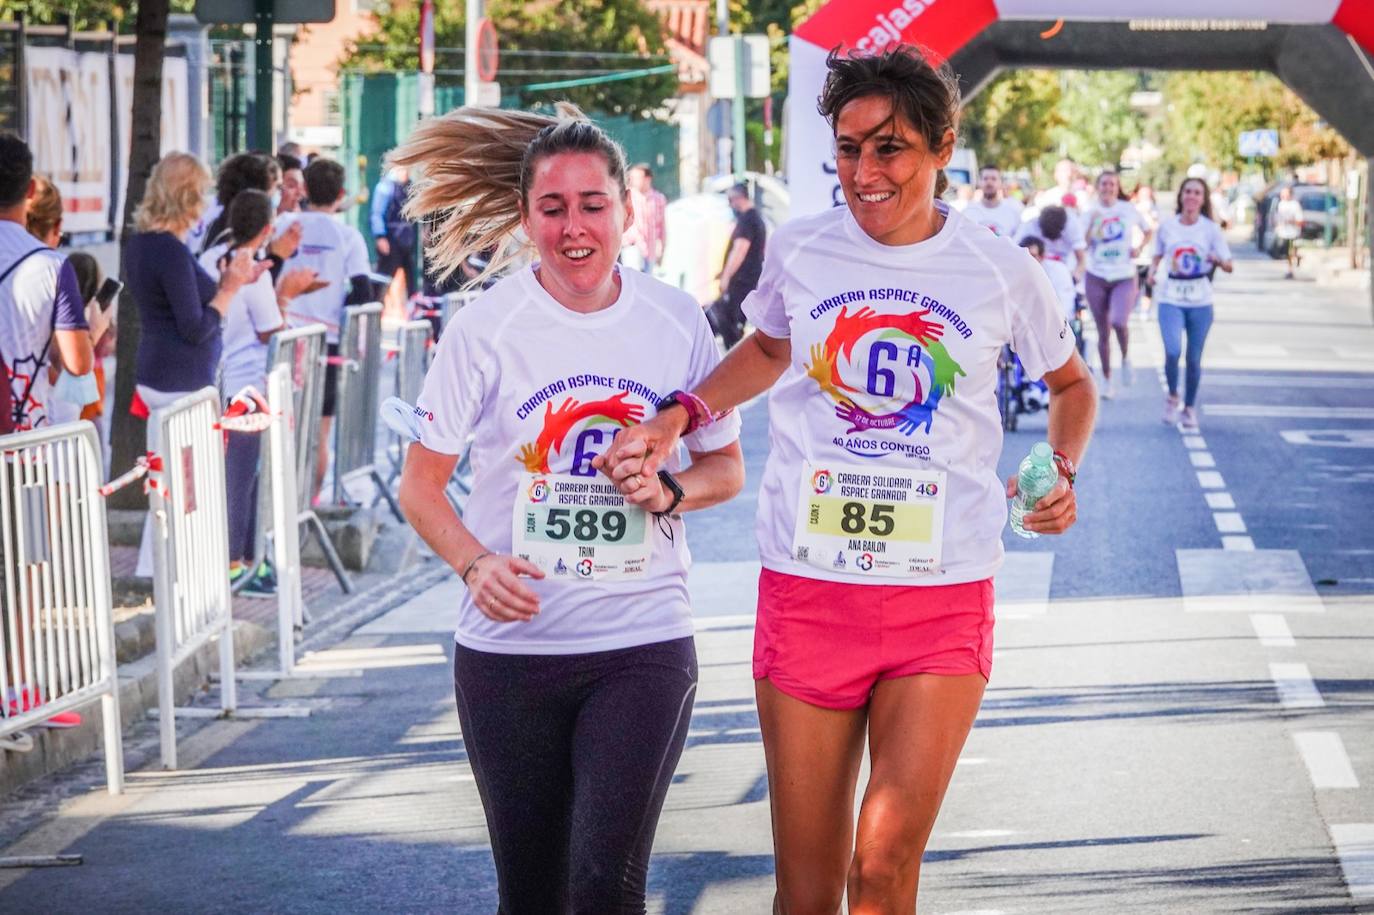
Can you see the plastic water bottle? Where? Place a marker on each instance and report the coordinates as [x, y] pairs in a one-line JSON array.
[[1034, 480]]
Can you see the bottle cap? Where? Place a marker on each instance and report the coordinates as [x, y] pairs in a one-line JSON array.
[[1042, 453]]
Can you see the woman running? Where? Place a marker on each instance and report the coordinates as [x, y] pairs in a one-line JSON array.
[[1111, 282], [879, 325], [575, 667], [1193, 246]]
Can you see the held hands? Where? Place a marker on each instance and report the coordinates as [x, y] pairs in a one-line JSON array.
[[285, 244], [241, 270], [1055, 513], [636, 454], [496, 589]]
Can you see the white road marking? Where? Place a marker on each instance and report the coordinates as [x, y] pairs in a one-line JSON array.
[[1202, 459], [1285, 381], [1229, 522], [1195, 442], [1022, 585], [1278, 411], [1330, 438], [1237, 542], [981, 834], [1265, 350], [1210, 479], [1295, 686], [1219, 500], [1246, 581], [723, 588], [1272, 629], [1324, 755], [1355, 848]]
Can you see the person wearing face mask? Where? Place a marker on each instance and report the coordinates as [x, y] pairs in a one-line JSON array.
[[255, 313], [1193, 247], [575, 667], [1110, 283], [878, 326]]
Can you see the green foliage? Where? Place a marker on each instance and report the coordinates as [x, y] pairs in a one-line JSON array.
[[1013, 120], [1206, 113], [1096, 121], [87, 14], [591, 26]]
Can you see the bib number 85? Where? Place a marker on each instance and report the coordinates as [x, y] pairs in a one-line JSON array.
[[584, 526], [875, 518]]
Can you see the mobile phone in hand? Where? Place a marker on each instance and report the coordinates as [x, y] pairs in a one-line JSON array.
[[108, 292]]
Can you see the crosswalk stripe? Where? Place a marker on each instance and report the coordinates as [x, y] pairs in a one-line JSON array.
[[1355, 848], [1295, 686], [1248, 581], [1327, 762], [1272, 629], [1278, 411]]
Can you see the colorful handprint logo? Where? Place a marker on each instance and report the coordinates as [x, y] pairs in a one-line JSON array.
[[593, 419]]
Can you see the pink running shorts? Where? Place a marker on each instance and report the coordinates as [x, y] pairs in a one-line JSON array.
[[829, 643]]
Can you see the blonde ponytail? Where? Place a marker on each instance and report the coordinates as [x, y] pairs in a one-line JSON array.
[[470, 171]]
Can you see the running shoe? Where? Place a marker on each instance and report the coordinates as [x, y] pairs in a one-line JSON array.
[[236, 574], [1171, 408], [263, 583], [27, 698], [1187, 420], [1127, 371], [1109, 388]]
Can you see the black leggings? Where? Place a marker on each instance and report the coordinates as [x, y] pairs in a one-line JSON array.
[[573, 755]]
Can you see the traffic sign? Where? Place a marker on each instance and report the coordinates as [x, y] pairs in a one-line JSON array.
[[286, 12], [721, 55], [488, 56], [1259, 143]]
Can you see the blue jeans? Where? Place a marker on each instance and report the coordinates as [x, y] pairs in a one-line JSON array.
[[1173, 321]]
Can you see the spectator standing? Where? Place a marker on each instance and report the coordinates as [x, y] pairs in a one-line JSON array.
[[338, 255], [393, 234], [292, 184], [743, 264], [180, 307], [42, 314], [237, 173], [648, 233], [255, 313]]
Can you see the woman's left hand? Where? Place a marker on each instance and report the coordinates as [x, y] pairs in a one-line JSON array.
[[643, 490], [1055, 513]]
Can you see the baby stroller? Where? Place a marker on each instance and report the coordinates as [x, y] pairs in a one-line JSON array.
[[1016, 393]]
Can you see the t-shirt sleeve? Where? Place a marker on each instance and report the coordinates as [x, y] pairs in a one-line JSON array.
[[1160, 245], [263, 312], [355, 260], [705, 357], [1040, 333], [451, 399], [1219, 245], [69, 312], [1074, 230], [764, 307]]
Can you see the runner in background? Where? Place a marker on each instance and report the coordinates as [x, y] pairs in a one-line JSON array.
[[1062, 235], [575, 667], [878, 327], [1110, 283], [1288, 228], [1145, 205], [991, 208], [1192, 247]]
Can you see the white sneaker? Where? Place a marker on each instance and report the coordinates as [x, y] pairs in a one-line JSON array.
[[1188, 420], [1127, 372], [1109, 388], [1171, 407]]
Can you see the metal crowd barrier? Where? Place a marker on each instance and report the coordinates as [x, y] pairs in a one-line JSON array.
[[355, 420], [190, 548], [301, 352], [57, 633], [413, 342]]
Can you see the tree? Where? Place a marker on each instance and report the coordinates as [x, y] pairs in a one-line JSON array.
[[128, 433], [586, 30], [1096, 120], [1012, 122]]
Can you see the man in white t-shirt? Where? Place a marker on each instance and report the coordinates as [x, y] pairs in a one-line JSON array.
[[1065, 171], [42, 315], [991, 209], [338, 255], [1288, 220]]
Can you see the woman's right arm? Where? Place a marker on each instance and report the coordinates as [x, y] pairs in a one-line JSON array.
[[493, 580], [751, 368]]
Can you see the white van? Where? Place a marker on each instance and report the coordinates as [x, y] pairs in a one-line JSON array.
[[962, 168]]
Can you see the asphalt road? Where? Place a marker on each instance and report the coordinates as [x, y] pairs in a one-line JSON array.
[[1178, 718]]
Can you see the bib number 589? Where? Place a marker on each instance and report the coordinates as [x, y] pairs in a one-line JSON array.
[[876, 518], [585, 525]]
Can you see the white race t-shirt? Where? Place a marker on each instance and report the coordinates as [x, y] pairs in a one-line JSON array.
[[872, 385], [252, 311], [542, 389], [1110, 236], [1004, 219], [1062, 280], [1063, 248], [1185, 267], [1288, 219], [336, 252]]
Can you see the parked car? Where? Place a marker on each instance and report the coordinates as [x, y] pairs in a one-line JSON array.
[[1320, 208]]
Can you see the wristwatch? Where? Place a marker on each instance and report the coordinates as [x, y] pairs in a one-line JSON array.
[[671, 484]]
